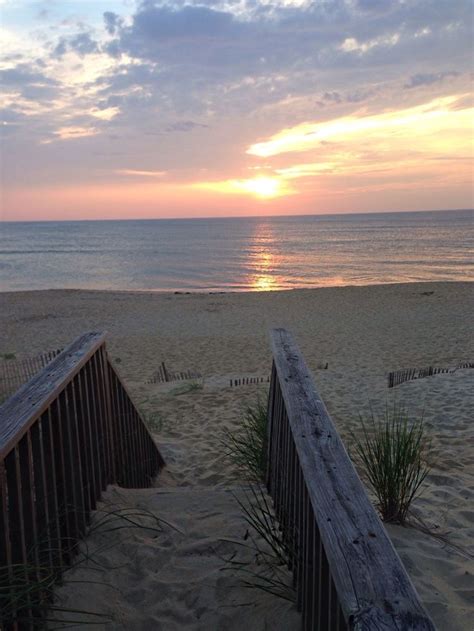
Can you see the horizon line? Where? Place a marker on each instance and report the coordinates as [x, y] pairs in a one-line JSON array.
[[343, 214]]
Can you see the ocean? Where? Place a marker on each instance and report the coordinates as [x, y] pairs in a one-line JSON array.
[[238, 254]]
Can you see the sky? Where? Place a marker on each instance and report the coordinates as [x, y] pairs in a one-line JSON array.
[[140, 109]]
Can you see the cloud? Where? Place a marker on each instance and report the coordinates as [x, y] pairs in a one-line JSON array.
[[24, 82], [112, 22], [418, 80], [184, 126], [236, 72], [22, 75], [82, 44], [72, 133], [351, 45], [138, 173], [309, 135]]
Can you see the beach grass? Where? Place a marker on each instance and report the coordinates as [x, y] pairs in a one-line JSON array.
[[247, 447], [185, 388], [392, 450], [270, 552], [28, 590]]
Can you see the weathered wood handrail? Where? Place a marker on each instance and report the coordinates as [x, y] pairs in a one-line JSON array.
[[64, 436], [346, 570]]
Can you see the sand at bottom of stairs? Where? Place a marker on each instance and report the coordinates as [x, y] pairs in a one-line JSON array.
[[175, 579]]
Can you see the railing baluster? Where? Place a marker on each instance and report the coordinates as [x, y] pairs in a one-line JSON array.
[[133, 443], [125, 438], [299, 535], [101, 421], [70, 470], [77, 456], [65, 498], [41, 499], [50, 458], [104, 367], [29, 504], [5, 545], [92, 481], [94, 425], [117, 429]]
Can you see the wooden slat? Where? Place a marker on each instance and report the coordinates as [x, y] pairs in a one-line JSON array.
[[104, 366], [70, 471], [5, 546], [159, 458], [94, 413], [84, 443], [50, 459], [101, 427], [64, 494], [373, 587]]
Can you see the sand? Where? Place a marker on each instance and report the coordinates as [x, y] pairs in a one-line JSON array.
[[176, 579]]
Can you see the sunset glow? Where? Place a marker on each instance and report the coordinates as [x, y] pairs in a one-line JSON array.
[[105, 113], [259, 187], [426, 120]]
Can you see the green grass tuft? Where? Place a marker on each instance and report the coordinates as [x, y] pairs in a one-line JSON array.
[[27, 590], [155, 421], [392, 452], [271, 553], [247, 447], [190, 386]]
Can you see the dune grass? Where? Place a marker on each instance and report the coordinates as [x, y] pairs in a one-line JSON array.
[[247, 447], [270, 552], [392, 450], [185, 388], [27, 590]]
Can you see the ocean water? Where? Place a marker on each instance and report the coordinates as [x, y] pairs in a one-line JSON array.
[[238, 254]]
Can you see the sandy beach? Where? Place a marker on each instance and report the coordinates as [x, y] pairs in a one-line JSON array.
[[176, 579]]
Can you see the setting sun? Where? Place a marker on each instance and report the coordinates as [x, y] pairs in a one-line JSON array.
[[260, 187], [263, 186]]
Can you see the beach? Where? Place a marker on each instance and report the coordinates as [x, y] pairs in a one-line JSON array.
[[351, 337]]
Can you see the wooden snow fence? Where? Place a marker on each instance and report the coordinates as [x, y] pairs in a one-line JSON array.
[[64, 436], [163, 375], [15, 372], [397, 377], [346, 571]]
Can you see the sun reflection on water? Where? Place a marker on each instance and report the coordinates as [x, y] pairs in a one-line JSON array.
[[264, 261]]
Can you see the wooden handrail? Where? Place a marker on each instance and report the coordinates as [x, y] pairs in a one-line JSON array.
[[347, 572], [30, 401], [15, 372], [64, 436]]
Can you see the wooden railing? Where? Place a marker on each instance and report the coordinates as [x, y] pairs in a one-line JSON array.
[[64, 436], [346, 572]]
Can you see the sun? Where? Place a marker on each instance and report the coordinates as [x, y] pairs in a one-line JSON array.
[[265, 187], [262, 187]]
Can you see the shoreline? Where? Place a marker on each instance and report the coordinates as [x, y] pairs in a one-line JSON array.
[[218, 292]]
